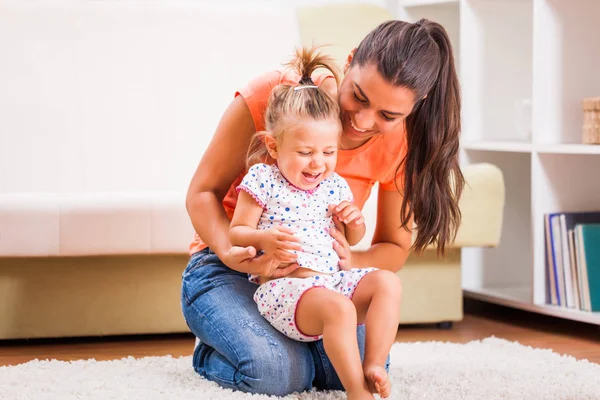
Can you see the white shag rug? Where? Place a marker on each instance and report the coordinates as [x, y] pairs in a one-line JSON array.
[[488, 369]]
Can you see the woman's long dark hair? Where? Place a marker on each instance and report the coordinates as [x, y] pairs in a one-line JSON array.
[[419, 57]]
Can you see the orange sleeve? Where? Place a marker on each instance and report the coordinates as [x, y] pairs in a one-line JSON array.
[[398, 179], [395, 176], [256, 95]]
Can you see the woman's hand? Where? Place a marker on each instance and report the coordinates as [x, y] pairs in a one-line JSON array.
[[341, 246], [245, 259]]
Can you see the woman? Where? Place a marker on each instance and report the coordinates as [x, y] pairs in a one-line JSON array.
[[400, 113]]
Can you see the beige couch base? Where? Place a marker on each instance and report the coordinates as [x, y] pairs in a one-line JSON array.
[[121, 295], [431, 288], [90, 296]]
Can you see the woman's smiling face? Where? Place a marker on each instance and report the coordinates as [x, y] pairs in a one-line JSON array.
[[371, 106]]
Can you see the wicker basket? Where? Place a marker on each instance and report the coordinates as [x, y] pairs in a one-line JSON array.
[[591, 120]]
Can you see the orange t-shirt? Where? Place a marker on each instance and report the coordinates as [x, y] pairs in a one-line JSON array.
[[374, 161]]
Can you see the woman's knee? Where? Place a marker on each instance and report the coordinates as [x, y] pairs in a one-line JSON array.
[[251, 356], [290, 361]]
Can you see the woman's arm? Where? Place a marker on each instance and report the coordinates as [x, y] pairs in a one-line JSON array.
[[391, 244], [214, 176], [222, 162]]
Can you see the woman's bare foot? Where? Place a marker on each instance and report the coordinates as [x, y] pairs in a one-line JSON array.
[[378, 380]]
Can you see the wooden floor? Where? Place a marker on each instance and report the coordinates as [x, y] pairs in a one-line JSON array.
[[579, 340]]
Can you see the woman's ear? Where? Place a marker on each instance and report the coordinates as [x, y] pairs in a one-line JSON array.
[[349, 60], [271, 145]]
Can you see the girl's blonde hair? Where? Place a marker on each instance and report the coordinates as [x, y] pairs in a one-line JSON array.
[[301, 100]]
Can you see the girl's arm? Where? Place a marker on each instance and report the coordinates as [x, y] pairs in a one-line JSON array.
[[355, 235], [349, 220]]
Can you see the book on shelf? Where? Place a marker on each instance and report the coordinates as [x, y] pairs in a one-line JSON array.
[[588, 241], [572, 242]]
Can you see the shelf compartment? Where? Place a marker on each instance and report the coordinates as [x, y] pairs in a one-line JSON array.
[[508, 264], [565, 67], [564, 182], [496, 68]]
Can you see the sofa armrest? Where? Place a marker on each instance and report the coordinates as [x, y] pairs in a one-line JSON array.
[[482, 206]]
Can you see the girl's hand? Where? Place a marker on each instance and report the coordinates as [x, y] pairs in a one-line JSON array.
[[278, 243], [347, 213], [244, 259], [341, 246]]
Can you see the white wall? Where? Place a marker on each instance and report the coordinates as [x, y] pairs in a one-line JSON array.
[[124, 95]]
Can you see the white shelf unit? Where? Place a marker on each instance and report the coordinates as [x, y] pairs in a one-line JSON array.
[[516, 56], [497, 145], [420, 3], [525, 147]]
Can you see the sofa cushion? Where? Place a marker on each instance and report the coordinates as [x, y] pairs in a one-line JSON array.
[[93, 224]]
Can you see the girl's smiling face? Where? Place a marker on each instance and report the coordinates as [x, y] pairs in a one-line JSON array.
[[307, 151]]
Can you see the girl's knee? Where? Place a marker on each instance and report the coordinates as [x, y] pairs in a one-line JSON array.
[[340, 307], [387, 282]]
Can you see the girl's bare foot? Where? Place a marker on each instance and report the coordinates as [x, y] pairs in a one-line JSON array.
[[360, 391], [378, 380]]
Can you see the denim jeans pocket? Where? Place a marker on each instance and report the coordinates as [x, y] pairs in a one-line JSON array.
[[201, 273], [197, 260]]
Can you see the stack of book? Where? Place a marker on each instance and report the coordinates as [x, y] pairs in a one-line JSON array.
[[573, 260]]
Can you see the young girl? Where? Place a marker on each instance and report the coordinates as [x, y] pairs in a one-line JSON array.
[[286, 209]]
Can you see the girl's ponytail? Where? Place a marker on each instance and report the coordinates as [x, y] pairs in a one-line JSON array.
[[303, 100], [308, 60]]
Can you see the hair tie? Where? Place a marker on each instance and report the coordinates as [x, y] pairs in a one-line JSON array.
[[305, 87]]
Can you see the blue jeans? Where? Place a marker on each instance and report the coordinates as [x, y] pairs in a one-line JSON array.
[[240, 350]]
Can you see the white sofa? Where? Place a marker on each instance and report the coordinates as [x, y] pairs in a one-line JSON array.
[[105, 110]]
